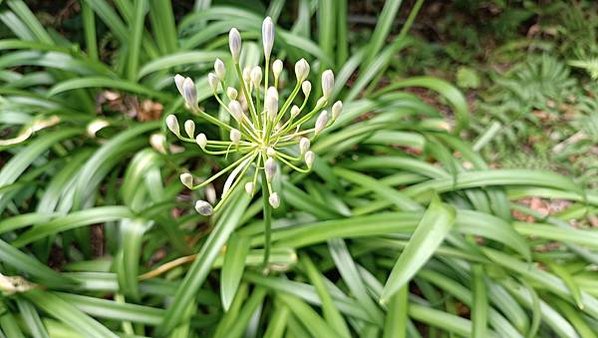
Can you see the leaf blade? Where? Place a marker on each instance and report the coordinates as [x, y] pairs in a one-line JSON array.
[[429, 234]]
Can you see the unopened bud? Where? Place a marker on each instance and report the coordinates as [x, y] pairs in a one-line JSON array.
[[304, 145], [158, 142], [203, 208], [234, 43], [187, 180], [295, 111], [201, 140], [235, 136], [321, 102], [236, 110], [232, 93], [301, 70], [321, 122], [274, 200], [337, 108], [268, 36], [256, 76], [190, 128], [178, 81], [270, 152], [327, 83], [210, 193], [190, 92], [173, 124], [249, 188], [219, 69], [247, 74], [306, 87], [276, 68], [309, 158], [272, 103], [213, 81], [270, 168]]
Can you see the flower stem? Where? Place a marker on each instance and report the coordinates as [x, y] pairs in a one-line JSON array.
[[267, 220]]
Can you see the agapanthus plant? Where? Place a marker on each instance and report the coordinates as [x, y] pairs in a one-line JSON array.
[[265, 130]]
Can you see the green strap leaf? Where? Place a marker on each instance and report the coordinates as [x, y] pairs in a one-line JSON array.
[[9, 255], [397, 198], [306, 315], [429, 234], [233, 267], [104, 82], [179, 59], [128, 268], [479, 308], [19, 163], [72, 221], [104, 308], [331, 313], [395, 324], [205, 258], [68, 314], [32, 319], [350, 275]]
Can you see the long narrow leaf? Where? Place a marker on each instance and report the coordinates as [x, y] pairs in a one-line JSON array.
[[431, 231]]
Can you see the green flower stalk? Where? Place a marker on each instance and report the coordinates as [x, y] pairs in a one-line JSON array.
[[266, 130]]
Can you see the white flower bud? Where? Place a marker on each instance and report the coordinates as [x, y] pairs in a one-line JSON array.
[[270, 152], [276, 68], [173, 124], [236, 110], [249, 188], [190, 128], [187, 180], [270, 168], [190, 92], [304, 145], [201, 140], [295, 111], [234, 43], [219, 69], [203, 208], [309, 158], [210, 193], [256, 76], [235, 136], [268, 36], [301, 70], [321, 122], [213, 81], [178, 81], [321, 102], [337, 108], [247, 74], [274, 200], [158, 142], [271, 103], [327, 83], [232, 93], [243, 101], [306, 87]]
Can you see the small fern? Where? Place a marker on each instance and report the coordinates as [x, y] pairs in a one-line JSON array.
[[539, 103], [589, 65], [537, 82], [526, 99]]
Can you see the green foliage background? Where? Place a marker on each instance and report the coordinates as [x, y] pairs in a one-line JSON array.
[[405, 228]]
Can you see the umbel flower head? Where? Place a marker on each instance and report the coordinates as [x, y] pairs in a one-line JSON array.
[[266, 129]]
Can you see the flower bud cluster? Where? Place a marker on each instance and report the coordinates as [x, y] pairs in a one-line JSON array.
[[267, 130]]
